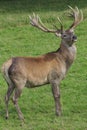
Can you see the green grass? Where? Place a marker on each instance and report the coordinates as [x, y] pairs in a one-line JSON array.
[[18, 38]]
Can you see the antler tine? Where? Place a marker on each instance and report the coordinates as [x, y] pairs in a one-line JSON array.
[[81, 17], [77, 9], [71, 8], [42, 25], [77, 15], [37, 22], [34, 20], [60, 23]]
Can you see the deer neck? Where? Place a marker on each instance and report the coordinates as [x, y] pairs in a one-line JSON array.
[[68, 53]]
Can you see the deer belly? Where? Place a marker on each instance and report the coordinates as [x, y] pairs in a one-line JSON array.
[[36, 82]]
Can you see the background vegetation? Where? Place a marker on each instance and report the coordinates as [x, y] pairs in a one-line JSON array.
[[18, 38]]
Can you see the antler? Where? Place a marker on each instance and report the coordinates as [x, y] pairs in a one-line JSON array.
[[36, 21], [77, 15]]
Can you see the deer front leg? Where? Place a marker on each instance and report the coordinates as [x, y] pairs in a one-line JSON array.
[[56, 94]]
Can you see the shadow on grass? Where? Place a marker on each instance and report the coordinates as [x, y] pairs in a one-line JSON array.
[[14, 6]]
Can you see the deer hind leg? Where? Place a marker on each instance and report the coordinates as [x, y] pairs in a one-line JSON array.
[[7, 97], [18, 90], [15, 101]]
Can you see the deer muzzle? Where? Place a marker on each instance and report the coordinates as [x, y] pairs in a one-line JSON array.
[[74, 38]]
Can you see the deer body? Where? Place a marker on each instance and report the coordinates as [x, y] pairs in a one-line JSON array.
[[50, 68], [35, 71]]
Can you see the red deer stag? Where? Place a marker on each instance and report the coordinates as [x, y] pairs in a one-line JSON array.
[[49, 68]]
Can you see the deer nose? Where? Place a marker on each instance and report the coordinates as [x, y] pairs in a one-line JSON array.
[[74, 38]]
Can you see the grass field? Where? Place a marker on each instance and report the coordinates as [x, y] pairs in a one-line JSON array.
[[19, 38]]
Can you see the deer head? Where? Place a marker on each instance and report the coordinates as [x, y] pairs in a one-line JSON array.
[[68, 37]]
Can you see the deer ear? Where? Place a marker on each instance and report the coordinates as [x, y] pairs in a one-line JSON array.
[[58, 34]]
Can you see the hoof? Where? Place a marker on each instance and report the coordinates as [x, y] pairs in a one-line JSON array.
[[6, 117], [21, 118], [58, 113]]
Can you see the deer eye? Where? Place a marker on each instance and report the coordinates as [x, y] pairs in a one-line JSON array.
[[64, 35]]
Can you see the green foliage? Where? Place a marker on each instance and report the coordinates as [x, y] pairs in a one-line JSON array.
[[18, 38]]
